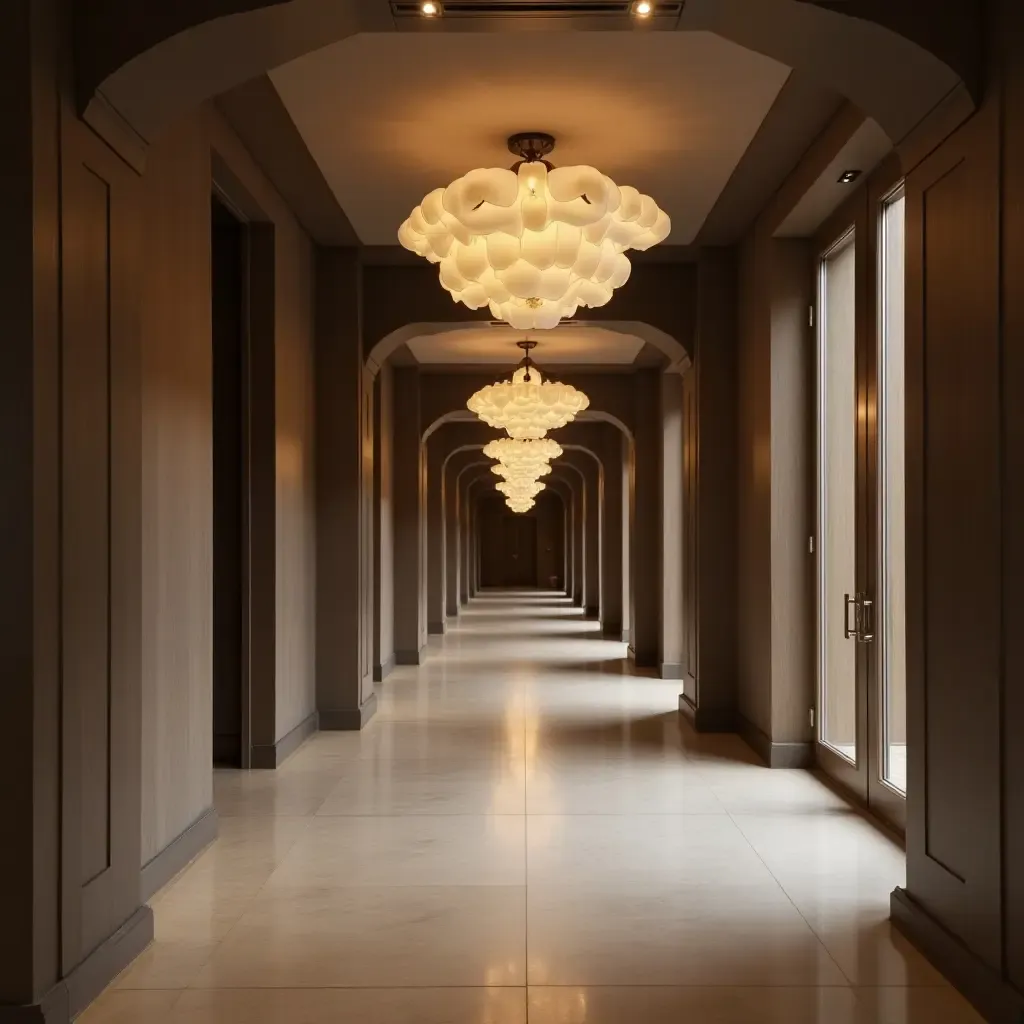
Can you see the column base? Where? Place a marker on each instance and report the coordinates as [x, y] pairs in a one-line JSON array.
[[410, 657], [177, 855], [348, 719], [994, 999], [272, 754], [707, 719], [774, 755], [70, 996], [593, 613], [672, 670], [437, 628], [384, 669], [612, 630]]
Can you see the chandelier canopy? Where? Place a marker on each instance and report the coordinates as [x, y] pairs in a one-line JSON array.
[[536, 242], [527, 406]]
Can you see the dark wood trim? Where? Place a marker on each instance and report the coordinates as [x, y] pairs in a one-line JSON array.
[[410, 657], [179, 853], [70, 996], [272, 755], [384, 669], [349, 719], [991, 995], [437, 628]]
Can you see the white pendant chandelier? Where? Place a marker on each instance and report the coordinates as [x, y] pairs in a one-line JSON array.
[[527, 406], [520, 505], [536, 242], [521, 464]]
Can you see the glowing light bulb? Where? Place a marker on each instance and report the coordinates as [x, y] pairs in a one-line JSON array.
[[428, 8], [643, 8]]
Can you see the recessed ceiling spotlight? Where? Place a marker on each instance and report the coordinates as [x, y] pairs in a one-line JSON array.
[[643, 8], [430, 8], [848, 177]]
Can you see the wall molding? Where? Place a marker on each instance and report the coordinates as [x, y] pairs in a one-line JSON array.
[[270, 755], [349, 719], [71, 995], [179, 853], [384, 669], [774, 755], [997, 1001]]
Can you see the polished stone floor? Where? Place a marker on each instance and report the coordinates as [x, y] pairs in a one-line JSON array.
[[526, 832]]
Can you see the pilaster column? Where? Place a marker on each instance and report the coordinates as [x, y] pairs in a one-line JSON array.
[[409, 527], [436, 534], [344, 498], [672, 618], [383, 529], [611, 534], [646, 547]]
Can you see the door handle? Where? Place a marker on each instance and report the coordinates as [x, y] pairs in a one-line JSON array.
[[849, 633], [864, 615]]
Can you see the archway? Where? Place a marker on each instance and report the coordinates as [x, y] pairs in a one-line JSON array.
[[139, 67]]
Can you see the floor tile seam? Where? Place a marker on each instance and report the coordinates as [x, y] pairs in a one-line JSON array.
[[814, 931]]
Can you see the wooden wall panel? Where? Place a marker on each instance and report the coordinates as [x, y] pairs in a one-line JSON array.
[[101, 545], [953, 531]]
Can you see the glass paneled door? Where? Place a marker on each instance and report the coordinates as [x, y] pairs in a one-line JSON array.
[[859, 538]]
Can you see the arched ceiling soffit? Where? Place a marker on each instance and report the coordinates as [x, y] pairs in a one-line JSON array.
[[492, 347], [138, 66], [652, 313]]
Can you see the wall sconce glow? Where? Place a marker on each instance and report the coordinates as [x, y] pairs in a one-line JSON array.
[[430, 8], [643, 8], [534, 243], [527, 406]]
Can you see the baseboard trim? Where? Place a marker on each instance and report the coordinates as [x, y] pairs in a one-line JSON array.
[[593, 613], [410, 657], [384, 669], [270, 755], [672, 670], [71, 995], [349, 719], [705, 719], [774, 755], [993, 998], [179, 853], [437, 628], [611, 630]]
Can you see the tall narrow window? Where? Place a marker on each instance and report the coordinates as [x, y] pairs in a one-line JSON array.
[[892, 501], [837, 497]]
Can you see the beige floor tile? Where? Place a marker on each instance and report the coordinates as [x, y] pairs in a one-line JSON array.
[[698, 934], [646, 850], [917, 1006], [352, 1006], [667, 1005], [174, 964], [376, 937], [117, 1006], [412, 850], [429, 787]]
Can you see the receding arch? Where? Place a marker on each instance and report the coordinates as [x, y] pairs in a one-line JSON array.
[[677, 358], [139, 66]]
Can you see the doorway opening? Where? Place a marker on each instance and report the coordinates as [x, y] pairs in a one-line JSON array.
[[228, 291]]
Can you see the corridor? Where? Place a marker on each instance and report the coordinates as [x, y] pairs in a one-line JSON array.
[[526, 832]]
